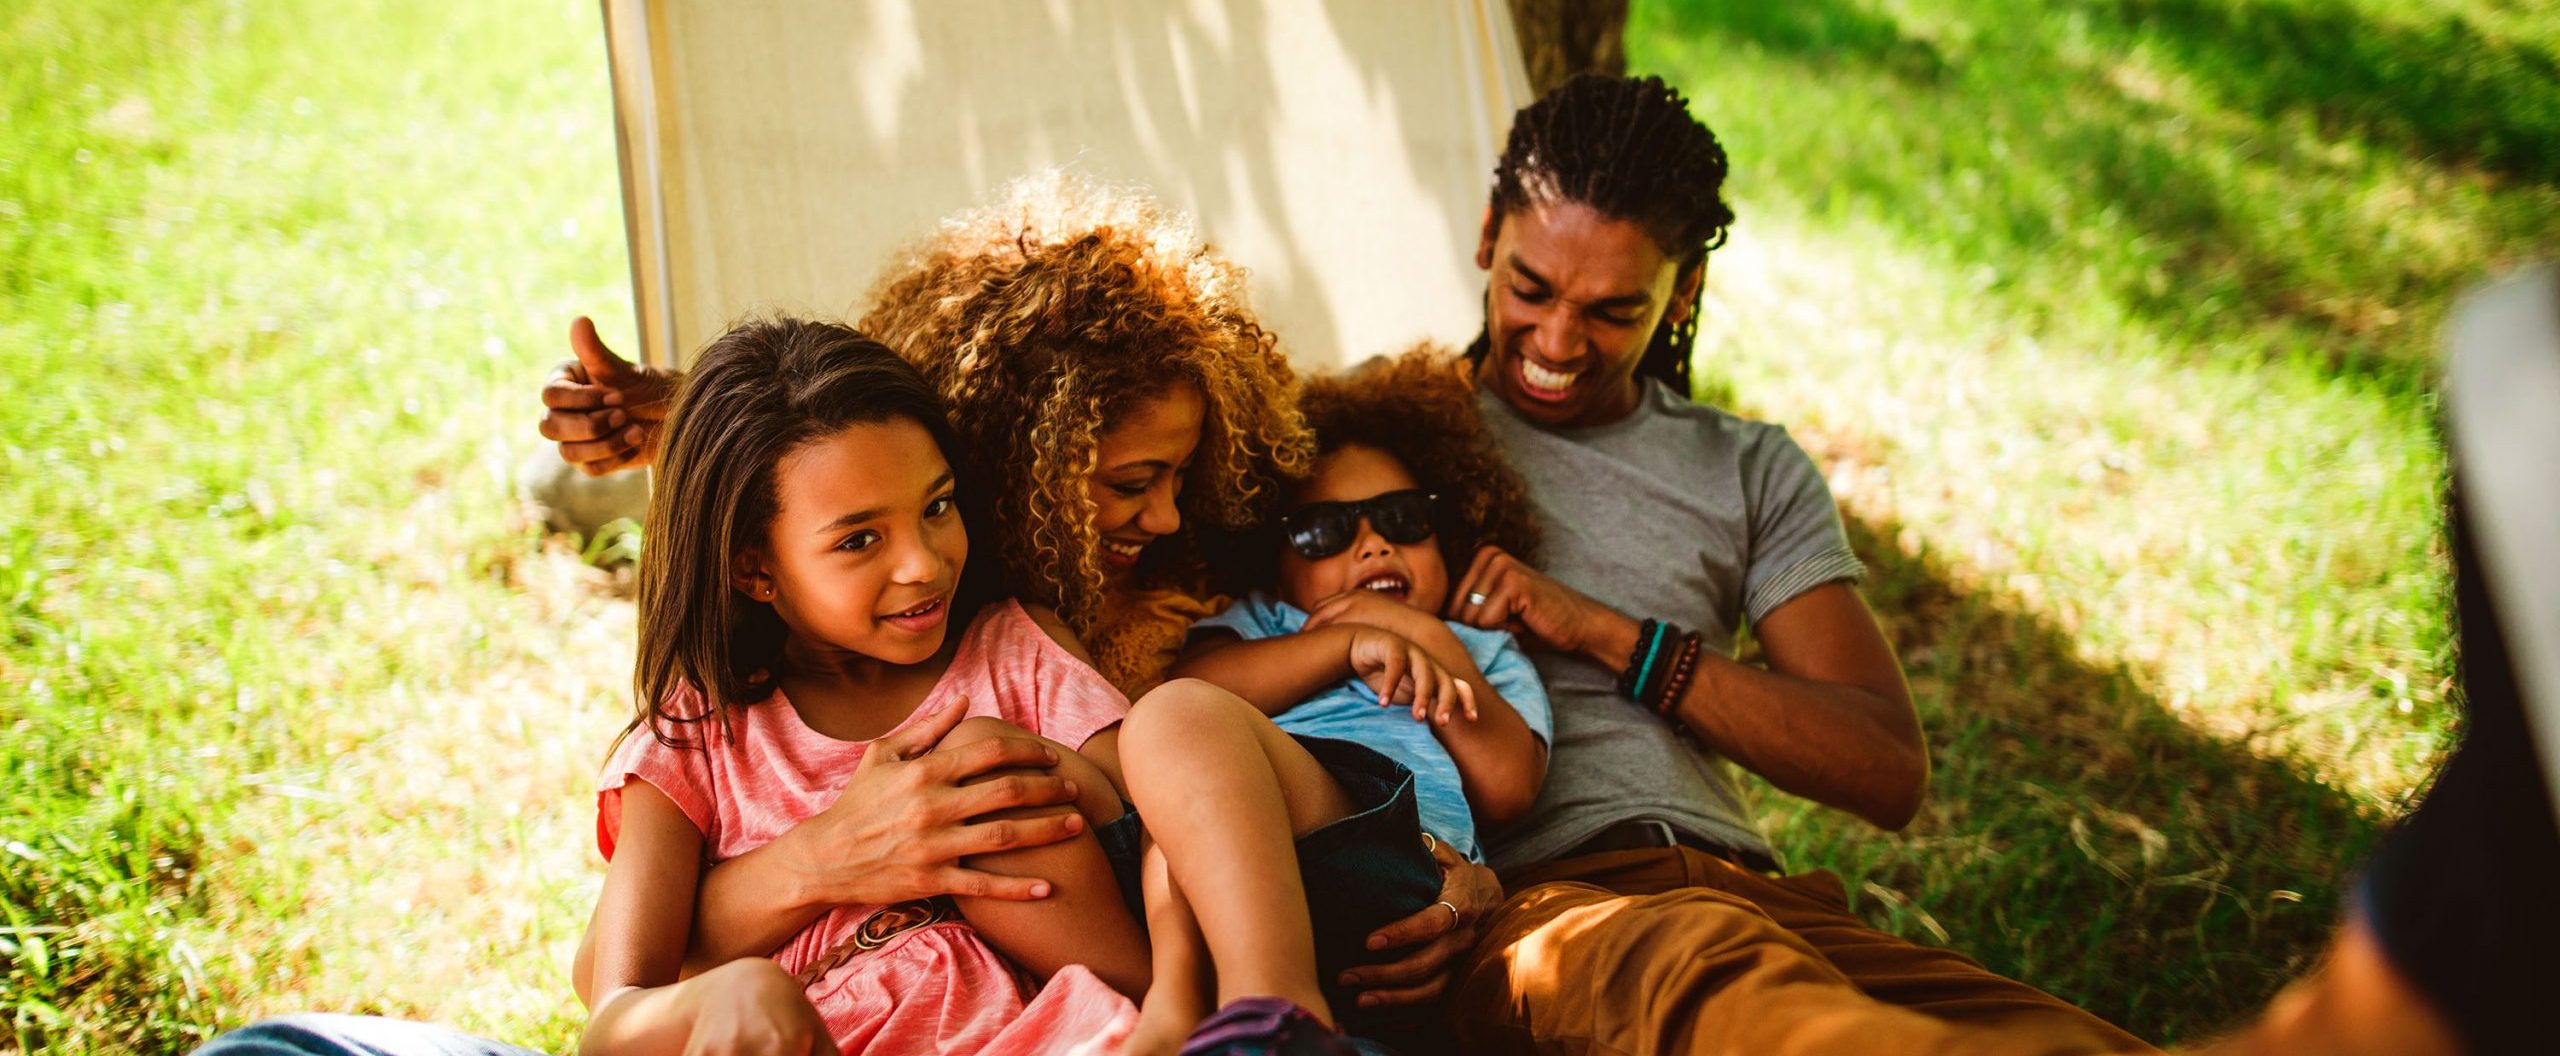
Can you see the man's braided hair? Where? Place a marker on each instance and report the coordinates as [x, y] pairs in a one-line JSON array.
[[1628, 149]]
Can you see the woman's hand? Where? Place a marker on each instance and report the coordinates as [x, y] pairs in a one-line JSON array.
[[1523, 600], [1401, 672], [604, 411], [902, 824], [1439, 933]]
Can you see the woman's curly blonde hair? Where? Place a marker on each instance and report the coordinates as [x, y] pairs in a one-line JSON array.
[[1044, 318], [1419, 407]]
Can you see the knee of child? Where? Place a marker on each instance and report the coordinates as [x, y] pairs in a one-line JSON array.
[[1181, 705], [979, 728]]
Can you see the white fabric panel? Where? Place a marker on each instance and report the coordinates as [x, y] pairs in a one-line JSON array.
[[2502, 384], [776, 151]]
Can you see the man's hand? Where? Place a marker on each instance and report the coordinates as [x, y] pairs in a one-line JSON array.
[[1528, 602], [604, 411], [1437, 935]]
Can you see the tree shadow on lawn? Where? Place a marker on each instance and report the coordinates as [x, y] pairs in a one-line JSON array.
[[2190, 199], [2079, 835], [2438, 88]]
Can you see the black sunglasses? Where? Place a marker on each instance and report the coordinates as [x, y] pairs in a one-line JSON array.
[[1322, 529]]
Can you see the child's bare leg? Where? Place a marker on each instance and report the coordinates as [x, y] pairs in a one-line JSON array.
[[1179, 1000], [1083, 921], [1224, 794]]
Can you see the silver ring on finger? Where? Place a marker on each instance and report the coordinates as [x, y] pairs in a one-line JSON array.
[[1476, 597], [1453, 911]]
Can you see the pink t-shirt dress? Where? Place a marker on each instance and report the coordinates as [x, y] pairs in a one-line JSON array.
[[929, 989]]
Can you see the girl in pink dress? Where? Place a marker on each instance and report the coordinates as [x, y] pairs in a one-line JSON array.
[[800, 593], [799, 590]]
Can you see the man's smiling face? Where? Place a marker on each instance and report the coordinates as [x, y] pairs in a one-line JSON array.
[[1571, 303]]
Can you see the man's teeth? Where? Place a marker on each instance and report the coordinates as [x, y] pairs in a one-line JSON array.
[[1542, 378], [1383, 583], [1123, 549]]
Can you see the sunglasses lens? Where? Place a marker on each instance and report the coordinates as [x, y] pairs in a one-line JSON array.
[[1403, 517], [1320, 531], [1324, 529]]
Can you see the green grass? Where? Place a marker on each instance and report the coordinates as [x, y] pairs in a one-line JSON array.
[[2115, 326], [2112, 323], [274, 281]]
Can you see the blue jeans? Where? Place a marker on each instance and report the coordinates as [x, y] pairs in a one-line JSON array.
[[332, 1034]]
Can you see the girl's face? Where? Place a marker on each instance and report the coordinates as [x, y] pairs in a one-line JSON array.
[[1408, 572], [866, 549], [1138, 468]]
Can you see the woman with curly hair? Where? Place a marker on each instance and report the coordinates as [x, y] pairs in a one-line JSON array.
[[1112, 385]]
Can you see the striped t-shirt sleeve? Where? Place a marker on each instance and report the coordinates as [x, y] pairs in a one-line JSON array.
[[1797, 543]]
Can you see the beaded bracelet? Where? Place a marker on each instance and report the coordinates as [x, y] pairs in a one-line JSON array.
[[1684, 666], [1649, 638]]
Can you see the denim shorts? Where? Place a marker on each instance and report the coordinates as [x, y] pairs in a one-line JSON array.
[[1361, 872]]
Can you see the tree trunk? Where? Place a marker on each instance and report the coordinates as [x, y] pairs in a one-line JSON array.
[[1560, 38]]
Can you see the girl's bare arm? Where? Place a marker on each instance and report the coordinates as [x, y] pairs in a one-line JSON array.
[[638, 931]]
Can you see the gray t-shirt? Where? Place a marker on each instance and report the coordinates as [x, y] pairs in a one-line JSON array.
[[1677, 512]]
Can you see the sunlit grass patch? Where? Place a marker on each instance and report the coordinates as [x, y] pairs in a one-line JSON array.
[[277, 279], [2114, 326]]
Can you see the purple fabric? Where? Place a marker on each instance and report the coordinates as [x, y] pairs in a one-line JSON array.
[[1265, 1026]]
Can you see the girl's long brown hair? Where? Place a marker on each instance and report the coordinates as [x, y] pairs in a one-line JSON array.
[[755, 394]]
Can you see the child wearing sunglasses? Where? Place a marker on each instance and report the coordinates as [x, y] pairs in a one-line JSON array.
[[1338, 634]]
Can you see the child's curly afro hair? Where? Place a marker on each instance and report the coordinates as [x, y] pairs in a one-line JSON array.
[[1420, 408]]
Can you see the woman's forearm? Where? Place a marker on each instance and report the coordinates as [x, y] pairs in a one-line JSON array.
[[750, 905]]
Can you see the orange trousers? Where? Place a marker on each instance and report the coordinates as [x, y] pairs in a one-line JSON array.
[[1633, 953]]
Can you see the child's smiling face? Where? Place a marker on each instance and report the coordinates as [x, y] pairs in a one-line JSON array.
[[866, 547], [1408, 572]]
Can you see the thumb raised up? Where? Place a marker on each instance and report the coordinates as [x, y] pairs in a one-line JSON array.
[[597, 362]]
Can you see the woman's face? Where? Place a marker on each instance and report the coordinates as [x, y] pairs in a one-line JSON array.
[[1138, 468]]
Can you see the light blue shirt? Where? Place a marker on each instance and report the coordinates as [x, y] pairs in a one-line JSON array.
[[1349, 711]]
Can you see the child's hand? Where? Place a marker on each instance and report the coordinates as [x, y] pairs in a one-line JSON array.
[[1400, 672], [1376, 610], [753, 1006]]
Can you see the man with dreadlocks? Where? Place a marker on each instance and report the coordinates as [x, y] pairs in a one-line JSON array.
[[1646, 913]]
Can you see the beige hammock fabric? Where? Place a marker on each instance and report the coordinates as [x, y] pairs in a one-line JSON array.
[[775, 152]]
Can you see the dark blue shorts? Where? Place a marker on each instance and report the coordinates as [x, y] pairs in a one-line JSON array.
[[1361, 872]]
